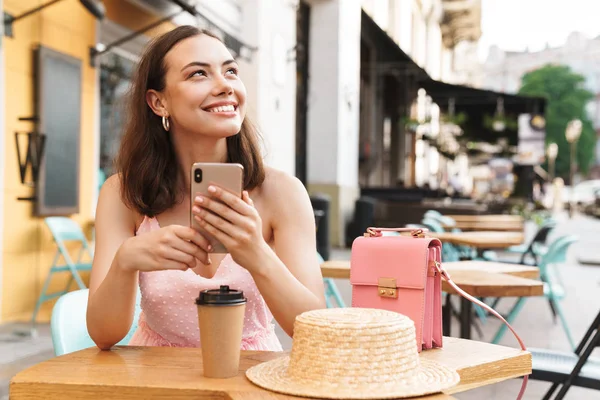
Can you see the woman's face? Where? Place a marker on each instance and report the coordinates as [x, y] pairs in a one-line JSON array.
[[203, 92]]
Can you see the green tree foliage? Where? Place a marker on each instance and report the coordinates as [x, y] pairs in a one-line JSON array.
[[566, 100]]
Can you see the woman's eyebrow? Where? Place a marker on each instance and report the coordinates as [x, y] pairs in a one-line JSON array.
[[206, 65]]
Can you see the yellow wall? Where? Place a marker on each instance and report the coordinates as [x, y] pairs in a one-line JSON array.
[[27, 247]]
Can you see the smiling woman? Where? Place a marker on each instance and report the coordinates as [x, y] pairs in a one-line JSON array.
[[187, 105]]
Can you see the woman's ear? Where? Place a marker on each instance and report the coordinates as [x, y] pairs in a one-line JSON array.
[[156, 102]]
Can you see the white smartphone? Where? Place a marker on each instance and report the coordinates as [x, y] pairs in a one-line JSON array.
[[227, 176]]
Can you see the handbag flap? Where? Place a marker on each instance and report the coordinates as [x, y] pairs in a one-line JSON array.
[[399, 257]]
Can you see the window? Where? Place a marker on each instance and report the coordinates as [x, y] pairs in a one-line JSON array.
[[58, 76], [115, 79]]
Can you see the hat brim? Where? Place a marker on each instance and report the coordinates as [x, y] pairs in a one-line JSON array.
[[431, 378]]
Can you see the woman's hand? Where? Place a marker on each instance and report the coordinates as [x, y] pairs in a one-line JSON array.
[[173, 247], [235, 223]]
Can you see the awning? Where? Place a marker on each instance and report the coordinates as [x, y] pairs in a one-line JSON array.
[[390, 57], [467, 98], [480, 105]]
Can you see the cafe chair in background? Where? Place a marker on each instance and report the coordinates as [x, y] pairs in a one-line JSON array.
[[530, 253], [65, 230], [566, 369], [332, 293], [68, 325], [450, 252], [553, 289]]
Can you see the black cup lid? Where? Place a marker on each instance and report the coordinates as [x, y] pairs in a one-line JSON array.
[[223, 296]]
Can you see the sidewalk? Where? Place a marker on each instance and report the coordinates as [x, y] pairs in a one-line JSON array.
[[19, 351]]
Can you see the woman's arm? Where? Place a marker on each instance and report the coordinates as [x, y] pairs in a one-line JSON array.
[[113, 291], [290, 278], [120, 255]]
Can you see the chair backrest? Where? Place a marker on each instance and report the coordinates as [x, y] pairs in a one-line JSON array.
[[442, 219], [432, 214], [557, 252], [101, 178], [65, 229], [540, 238], [541, 235], [68, 323], [432, 224]]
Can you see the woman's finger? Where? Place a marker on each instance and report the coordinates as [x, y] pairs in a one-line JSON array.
[[216, 232], [232, 200], [220, 223], [181, 256], [247, 199], [192, 249], [192, 235], [216, 207]]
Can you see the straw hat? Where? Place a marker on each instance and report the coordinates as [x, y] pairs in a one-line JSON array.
[[353, 353]]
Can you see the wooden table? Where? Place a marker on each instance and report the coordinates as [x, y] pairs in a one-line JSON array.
[[478, 278], [176, 373], [494, 279], [487, 226], [523, 271], [499, 222], [340, 269], [487, 218], [481, 240]]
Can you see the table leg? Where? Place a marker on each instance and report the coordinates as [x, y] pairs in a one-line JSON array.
[[465, 318], [446, 316]]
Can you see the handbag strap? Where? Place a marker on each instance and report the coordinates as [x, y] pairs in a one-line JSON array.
[[415, 232], [467, 296]]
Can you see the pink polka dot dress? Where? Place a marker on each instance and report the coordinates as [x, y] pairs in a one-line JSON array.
[[169, 314]]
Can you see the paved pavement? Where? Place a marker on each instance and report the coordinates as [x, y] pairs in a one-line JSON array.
[[534, 324]]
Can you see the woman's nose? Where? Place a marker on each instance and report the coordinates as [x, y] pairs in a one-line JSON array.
[[222, 86]]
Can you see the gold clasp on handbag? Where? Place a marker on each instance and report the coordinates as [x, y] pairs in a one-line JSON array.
[[418, 233], [386, 287]]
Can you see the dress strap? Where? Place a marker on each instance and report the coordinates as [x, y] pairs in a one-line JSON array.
[[148, 224]]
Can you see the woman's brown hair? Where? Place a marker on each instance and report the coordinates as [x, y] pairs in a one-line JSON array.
[[146, 161]]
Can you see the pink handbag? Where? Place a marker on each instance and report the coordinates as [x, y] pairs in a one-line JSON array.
[[404, 274]]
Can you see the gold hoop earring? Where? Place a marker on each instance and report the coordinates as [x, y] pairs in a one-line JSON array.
[[165, 122]]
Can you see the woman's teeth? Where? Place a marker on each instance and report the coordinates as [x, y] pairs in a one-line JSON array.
[[222, 109]]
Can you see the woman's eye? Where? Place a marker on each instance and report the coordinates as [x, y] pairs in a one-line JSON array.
[[233, 71], [198, 73]]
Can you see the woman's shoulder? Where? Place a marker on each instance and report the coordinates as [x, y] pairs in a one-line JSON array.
[[284, 195], [279, 185], [110, 196]]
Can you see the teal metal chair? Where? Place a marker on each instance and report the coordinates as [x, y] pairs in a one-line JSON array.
[[101, 178], [553, 290], [68, 323], [332, 293], [532, 250], [450, 252], [64, 230], [464, 252], [442, 219]]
